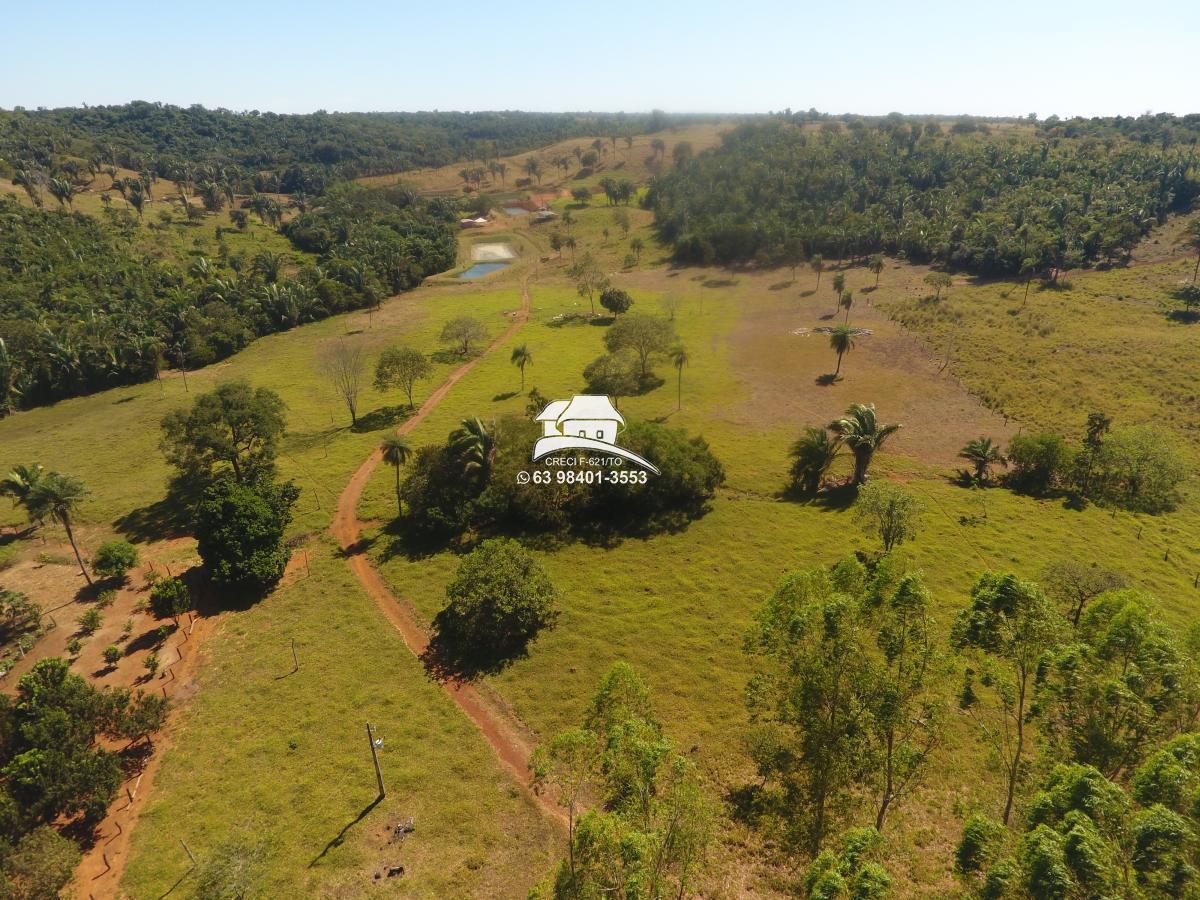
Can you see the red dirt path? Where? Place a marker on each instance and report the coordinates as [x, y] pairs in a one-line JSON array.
[[504, 733]]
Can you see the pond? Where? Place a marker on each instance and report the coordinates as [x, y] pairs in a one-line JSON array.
[[480, 269], [515, 210]]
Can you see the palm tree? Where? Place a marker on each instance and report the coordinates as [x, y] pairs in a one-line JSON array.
[[63, 191], [679, 359], [817, 264], [839, 285], [983, 454], [814, 454], [841, 341], [876, 265], [846, 302], [862, 433], [396, 452], [476, 444], [57, 496], [521, 357], [19, 484]]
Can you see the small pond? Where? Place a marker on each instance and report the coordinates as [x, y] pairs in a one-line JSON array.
[[482, 268], [515, 210]]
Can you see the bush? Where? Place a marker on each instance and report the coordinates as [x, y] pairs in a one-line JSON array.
[[89, 623], [240, 530], [40, 866], [170, 598], [499, 600], [1039, 462], [114, 559], [887, 511], [112, 654], [982, 839]]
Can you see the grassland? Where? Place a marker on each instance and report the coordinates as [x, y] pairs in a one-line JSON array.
[[676, 606]]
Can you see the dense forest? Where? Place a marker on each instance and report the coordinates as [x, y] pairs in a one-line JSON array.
[[83, 308], [287, 152], [993, 201]]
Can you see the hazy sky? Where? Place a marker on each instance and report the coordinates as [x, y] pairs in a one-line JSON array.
[[1005, 57]]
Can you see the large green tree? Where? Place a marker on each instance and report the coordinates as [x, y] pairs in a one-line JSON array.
[[233, 429]]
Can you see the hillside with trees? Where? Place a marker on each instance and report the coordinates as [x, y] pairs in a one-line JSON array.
[[1002, 202]]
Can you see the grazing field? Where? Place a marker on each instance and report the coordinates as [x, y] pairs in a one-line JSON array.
[[270, 769]]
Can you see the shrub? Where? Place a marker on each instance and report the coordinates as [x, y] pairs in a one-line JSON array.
[[114, 559], [106, 599], [981, 841], [240, 530], [170, 598], [499, 600], [1038, 462], [89, 622], [151, 663], [112, 654]]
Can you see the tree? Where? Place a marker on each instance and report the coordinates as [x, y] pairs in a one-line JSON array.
[[114, 559], [841, 342], [637, 245], [982, 453], [521, 357], [907, 721], [1074, 585], [396, 452], [499, 600], [40, 866], [839, 285], [616, 301], [1190, 239], [644, 334], [402, 367], [817, 264], [888, 511], [613, 374], [812, 693], [19, 484], [875, 264], [240, 530], [463, 333], [57, 496], [170, 598], [861, 431], [589, 279], [1119, 688], [234, 425], [112, 655], [1038, 462], [846, 302], [679, 359], [475, 444], [648, 835], [939, 281], [1012, 627], [151, 662], [342, 364], [813, 454]]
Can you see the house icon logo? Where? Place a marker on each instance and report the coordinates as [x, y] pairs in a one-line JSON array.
[[585, 422]]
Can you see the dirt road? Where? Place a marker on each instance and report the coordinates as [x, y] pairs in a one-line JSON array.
[[505, 734]]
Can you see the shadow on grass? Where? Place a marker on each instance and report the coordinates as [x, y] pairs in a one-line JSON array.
[[162, 519], [827, 379], [507, 395], [781, 286], [384, 417], [452, 357], [1184, 316], [340, 838]]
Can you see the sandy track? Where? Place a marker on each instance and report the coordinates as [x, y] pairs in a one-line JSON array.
[[505, 734]]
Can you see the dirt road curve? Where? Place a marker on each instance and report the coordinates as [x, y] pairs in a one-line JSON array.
[[503, 731]]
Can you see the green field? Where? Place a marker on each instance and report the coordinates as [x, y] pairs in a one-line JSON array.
[[282, 761]]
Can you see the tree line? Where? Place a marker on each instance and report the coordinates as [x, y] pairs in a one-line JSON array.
[[83, 309], [286, 152], [1004, 203]]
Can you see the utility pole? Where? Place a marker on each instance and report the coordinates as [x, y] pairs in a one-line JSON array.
[[375, 759]]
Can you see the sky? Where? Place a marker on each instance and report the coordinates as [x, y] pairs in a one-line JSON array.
[[999, 58]]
